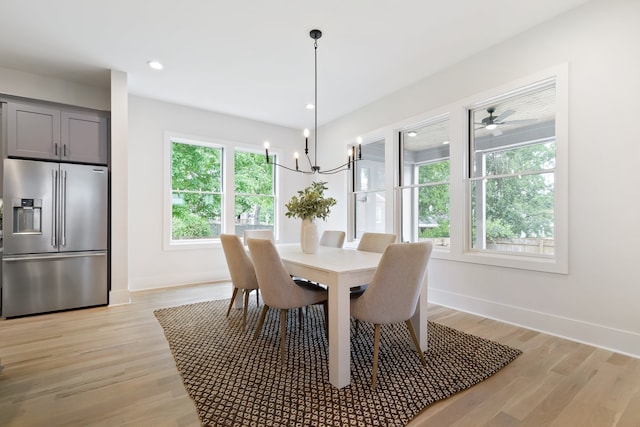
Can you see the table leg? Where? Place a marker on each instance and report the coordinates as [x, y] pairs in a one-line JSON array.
[[339, 336], [419, 319]]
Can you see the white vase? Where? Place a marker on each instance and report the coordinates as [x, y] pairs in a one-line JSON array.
[[309, 236]]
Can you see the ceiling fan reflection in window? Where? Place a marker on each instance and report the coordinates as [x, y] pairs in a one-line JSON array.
[[493, 123]]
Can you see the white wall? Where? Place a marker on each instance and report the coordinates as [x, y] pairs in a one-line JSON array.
[[119, 293], [149, 265], [598, 301], [18, 83]]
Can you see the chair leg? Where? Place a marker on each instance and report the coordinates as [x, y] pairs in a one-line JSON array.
[[257, 297], [325, 308], [376, 345], [300, 318], [233, 298], [355, 335], [283, 332], [415, 341], [244, 309], [261, 321]]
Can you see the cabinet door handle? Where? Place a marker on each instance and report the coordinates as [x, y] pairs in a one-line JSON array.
[[64, 150], [56, 148]]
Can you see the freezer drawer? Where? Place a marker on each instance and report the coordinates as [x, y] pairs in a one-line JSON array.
[[44, 283]]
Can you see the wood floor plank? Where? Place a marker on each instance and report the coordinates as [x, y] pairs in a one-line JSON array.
[[111, 366]]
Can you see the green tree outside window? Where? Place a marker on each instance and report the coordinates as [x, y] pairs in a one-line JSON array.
[[196, 183]]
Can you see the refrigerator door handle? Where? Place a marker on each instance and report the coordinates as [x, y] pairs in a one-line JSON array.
[[18, 258], [54, 216], [63, 208]]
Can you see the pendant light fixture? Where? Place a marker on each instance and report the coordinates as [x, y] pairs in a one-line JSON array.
[[352, 156]]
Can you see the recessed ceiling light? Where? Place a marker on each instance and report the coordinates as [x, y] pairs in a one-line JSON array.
[[445, 142], [156, 65], [310, 106], [412, 133]]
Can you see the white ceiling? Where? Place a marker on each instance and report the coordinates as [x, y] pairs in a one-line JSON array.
[[254, 58]]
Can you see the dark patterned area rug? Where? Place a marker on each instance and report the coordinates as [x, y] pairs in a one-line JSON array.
[[236, 381]]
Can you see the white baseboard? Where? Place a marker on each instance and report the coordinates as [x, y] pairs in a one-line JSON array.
[[169, 281], [119, 297], [619, 341]]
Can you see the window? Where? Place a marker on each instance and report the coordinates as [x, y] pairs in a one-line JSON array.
[[196, 190], [213, 187], [512, 172], [369, 194], [425, 183], [254, 192]]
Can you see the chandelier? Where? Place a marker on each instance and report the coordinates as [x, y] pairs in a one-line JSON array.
[[352, 156]]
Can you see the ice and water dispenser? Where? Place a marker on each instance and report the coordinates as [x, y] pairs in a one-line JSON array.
[[27, 216]]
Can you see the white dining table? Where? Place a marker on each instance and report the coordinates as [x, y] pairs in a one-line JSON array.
[[340, 269]]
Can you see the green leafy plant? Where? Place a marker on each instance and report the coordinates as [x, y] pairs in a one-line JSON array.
[[497, 229], [190, 226], [310, 203]]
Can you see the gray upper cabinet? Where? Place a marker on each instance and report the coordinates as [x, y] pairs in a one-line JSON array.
[[44, 132], [84, 138], [33, 132]]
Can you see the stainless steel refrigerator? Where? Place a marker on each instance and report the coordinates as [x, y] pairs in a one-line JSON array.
[[55, 237]]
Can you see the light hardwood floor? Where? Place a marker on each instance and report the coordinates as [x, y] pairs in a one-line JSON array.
[[112, 367]]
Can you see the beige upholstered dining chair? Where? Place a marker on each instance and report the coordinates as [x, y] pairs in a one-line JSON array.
[[265, 233], [393, 293], [372, 242], [243, 275], [375, 242], [278, 288], [332, 238]]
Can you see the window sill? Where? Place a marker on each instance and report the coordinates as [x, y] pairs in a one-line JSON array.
[[535, 263], [191, 245]]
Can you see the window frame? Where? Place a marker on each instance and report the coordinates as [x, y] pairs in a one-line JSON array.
[[558, 263], [431, 120], [228, 194], [459, 188], [354, 193], [274, 194]]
